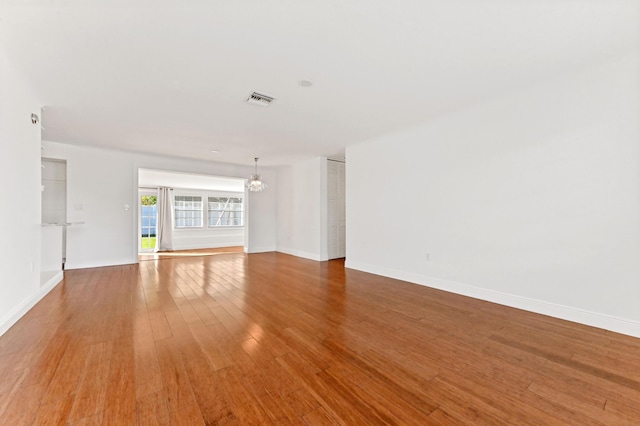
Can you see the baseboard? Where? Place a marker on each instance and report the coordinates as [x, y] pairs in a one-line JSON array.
[[19, 311], [85, 265], [261, 249], [300, 253], [569, 313], [205, 246]]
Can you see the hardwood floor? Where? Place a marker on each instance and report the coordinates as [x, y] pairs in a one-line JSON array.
[[273, 339], [189, 253]]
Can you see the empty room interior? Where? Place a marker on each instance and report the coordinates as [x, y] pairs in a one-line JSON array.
[[357, 212]]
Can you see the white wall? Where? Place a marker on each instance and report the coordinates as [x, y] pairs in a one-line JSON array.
[[531, 200], [187, 239], [20, 188], [101, 183], [301, 209]]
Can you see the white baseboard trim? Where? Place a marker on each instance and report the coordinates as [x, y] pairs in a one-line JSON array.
[[569, 313], [85, 265], [261, 249], [205, 246], [19, 311], [300, 253]]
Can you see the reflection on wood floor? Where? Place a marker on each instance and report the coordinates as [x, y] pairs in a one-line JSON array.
[[274, 339], [189, 253]]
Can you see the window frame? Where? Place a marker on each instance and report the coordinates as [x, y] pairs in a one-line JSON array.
[[177, 194], [204, 197], [141, 225], [229, 197]]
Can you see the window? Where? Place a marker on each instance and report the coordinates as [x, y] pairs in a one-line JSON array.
[[188, 211], [208, 210], [224, 211]]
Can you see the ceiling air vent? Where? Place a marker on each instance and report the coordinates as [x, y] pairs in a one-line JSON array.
[[260, 99]]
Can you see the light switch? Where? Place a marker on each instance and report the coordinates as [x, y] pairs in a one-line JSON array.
[[126, 207]]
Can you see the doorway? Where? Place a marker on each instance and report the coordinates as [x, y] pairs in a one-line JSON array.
[[54, 213], [148, 215], [207, 212]]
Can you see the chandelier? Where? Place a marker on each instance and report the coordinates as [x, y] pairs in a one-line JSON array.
[[255, 184]]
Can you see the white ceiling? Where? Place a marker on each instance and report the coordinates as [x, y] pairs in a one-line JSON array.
[[155, 178], [149, 76]]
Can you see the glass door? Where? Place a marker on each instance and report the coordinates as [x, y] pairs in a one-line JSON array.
[[148, 221]]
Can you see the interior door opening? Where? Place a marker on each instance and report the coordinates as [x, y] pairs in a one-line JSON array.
[[181, 212]]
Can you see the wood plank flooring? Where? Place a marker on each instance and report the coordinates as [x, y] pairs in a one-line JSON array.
[[265, 339]]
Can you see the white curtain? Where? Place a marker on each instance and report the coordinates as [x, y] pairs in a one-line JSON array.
[[164, 237]]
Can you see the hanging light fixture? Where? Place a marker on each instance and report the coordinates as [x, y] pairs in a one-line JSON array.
[[255, 184]]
